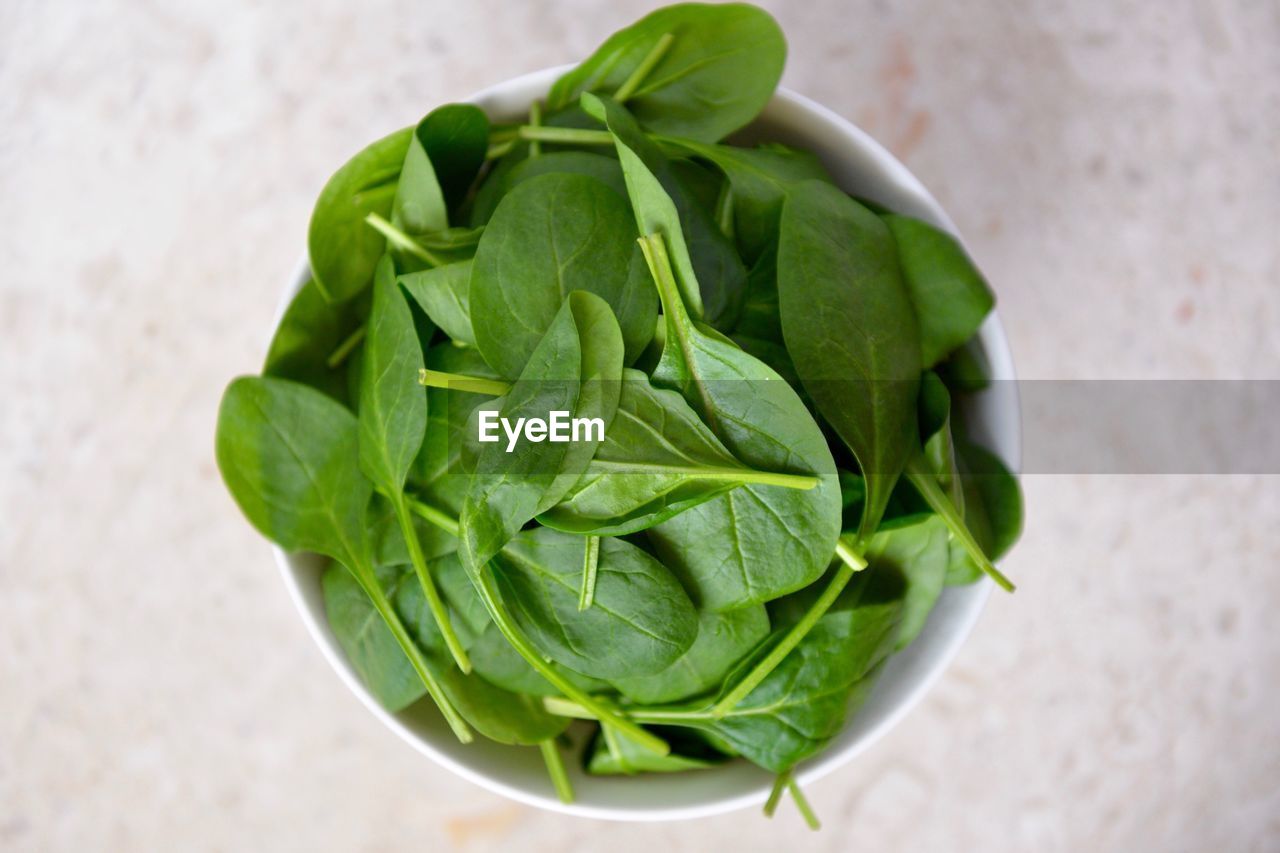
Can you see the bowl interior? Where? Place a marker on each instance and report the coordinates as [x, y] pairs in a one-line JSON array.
[[864, 168]]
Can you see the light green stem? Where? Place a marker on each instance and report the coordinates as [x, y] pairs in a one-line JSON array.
[[438, 610], [724, 211], [555, 767], [590, 563], [637, 76], [344, 349], [775, 795], [803, 482], [458, 382], [802, 803], [565, 135], [850, 562], [927, 485], [401, 240], [368, 581], [535, 120], [498, 149], [483, 583]]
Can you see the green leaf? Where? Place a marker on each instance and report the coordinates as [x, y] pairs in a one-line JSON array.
[[288, 456], [711, 276], [342, 248], [851, 331], [576, 368], [550, 236], [993, 509], [371, 649], [723, 640], [507, 177], [639, 623], [444, 294], [951, 297], [760, 179], [382, 665], [917, 549], [719, 69], [804, 702], [393, 406], [310, 332], [657, 460]]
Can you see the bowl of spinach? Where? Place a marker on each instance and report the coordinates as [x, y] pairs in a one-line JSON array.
[[791, 521]]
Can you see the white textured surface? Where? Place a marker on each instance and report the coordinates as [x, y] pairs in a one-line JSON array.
[[1114, 168]]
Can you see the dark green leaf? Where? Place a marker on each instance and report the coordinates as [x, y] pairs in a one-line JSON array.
[[851, 331], [343, 249], [719, 70]]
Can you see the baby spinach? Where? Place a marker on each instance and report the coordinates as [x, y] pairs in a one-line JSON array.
[[342, 248], [657, 460], [310, 331], [712, 277], [851, 330], [550, 236], [444, 294], [951, 297], [781, 490], [288, 455], [691, 69], [392, 422], [723, 640]]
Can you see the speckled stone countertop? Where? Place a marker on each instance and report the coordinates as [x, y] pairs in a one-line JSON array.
[[1114, 167]]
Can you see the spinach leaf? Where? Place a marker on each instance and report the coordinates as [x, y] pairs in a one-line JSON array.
[[393, 420], [950, 296], [497, 714], [310, 332], [444, 294], [993, 509], [916, 548], [342, 248], [504, 180], [288, 455], [370, 647], [691, 69], [657, 460], [550, 236], [851, 331], [760, 179], [575, 368], [710, 274], [776, 539], [491, 655], [723, 640], [641, 620]]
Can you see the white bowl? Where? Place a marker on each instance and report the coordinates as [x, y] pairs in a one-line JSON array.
[[863, 167]]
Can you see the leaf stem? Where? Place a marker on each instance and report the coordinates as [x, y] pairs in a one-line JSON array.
[[459, 382], [775, 795], [724, 211], [438, 610], [344, 349], [850, 561], [401, 240], [555, 768], [368, 581], [802, 482], [802, 803], [535, 120], [927, 485], [590, 563], [483, 583], [651, 59], [498, 149], [565, 135]]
